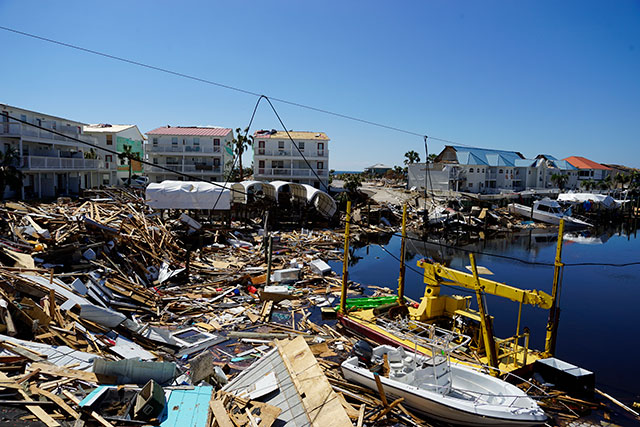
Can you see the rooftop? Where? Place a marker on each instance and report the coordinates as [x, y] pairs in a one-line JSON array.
[[262, 134], [584, 163], [105, 128], [489, 157], [190, 131]]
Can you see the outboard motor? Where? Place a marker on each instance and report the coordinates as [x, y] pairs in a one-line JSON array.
[[363, 351]]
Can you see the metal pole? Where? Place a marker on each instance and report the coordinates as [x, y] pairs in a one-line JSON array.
[[554, 312], [345, 261], [487, 330], [402, 250], [269, 252]]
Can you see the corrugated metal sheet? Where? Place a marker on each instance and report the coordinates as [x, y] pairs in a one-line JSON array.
[[58, 355], [286, 398], [190, 131]]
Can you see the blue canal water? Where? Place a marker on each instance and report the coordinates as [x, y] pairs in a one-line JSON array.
[[600, 305]]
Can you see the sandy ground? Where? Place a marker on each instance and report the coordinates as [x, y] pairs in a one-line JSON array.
[[394, 196]]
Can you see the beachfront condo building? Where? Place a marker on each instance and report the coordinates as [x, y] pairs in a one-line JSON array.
[[275, 157], [51, 164], [188, 153], [117, 138]]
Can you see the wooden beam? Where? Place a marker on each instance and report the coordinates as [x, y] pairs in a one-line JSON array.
[[383, 398], [94, 414], [57, 400], [35, 410], [220, 414], [58, 371]]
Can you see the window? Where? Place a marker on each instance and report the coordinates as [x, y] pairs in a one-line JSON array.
[[155, 160], [261, 164], [184, 141], [155, 141], [261, 147], [108, 158], [281, 145], [277, 164], [216, 142], [483, 170], [174, 140], [471, 170], [301, 146], [196, 141], [470, 184], [23, 117], [320, 165], [500, 171], [216, 161], [109, 139]]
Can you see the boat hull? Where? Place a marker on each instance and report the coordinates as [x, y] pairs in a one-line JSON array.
[[438, 410], [526, 212]]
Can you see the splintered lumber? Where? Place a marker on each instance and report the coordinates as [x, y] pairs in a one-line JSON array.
[[57, 400], [35, 410], [22, 351], [94, 414], [220, 415], [383, 398], [321, 403], [58, 371]]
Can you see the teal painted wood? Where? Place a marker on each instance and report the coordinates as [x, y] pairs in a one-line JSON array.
[[188, 408]]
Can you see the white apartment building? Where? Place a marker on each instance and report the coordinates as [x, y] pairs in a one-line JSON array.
[[482, 170], [201, 152], [276, 158], [52, 165], [115, 137]]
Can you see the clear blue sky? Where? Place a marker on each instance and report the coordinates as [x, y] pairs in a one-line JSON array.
[[561, 78]]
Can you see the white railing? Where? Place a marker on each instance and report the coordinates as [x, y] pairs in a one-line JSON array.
[[183, 149], [291, 172], [291, 153], [202, 169], [19, 129], [44, 162]]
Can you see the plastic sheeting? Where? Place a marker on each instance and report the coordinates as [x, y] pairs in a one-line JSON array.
[[188, 195], [602, 199], [323, 202]]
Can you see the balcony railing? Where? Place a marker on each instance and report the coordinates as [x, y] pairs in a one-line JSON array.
[[26, 131], [183, 149], [63, 163], [201, 168], [291, 153], [291, 172]]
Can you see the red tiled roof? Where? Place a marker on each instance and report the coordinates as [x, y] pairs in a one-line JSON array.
[[583, 163], [190, 130]]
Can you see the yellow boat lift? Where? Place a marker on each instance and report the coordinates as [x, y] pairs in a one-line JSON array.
[[454, 312]]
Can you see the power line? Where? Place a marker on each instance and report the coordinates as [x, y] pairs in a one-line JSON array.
[[224, 86], [130, 157]]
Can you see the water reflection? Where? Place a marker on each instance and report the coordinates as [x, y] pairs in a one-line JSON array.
[[598, 302]]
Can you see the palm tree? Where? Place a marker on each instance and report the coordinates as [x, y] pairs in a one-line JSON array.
[[432, 158], [588, 184], [91, 154], [9, 174], [560, 180], [411, 157], [240, 144], [606, 183], [127, 153]]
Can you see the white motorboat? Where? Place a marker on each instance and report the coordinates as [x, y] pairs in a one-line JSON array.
[[445, 390], [548, 211]]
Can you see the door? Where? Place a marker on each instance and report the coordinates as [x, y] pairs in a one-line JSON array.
[[321, 149]]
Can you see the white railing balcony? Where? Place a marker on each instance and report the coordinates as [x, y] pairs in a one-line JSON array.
[[291, 172], [26, 131], [183, 149], [61, 163], [291, 153], [195, 169]]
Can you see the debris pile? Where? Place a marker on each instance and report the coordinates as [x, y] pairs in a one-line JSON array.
[[114, 314]]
